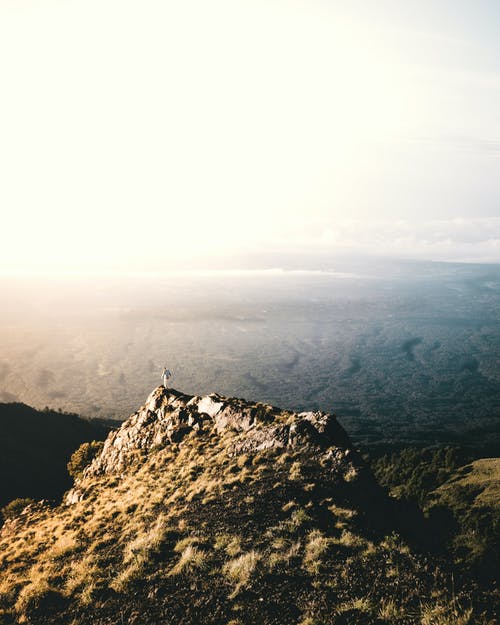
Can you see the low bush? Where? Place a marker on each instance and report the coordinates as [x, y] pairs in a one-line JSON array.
[[15, 507], [82, 457]]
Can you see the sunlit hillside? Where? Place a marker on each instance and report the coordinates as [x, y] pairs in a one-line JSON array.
[[219, 510]]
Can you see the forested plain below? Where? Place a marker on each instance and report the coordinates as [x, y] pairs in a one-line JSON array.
[[404, 353]]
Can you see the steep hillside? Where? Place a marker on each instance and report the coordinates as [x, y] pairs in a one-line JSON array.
[[412, 473], [478, 483], [222, 511], [466, 512], [35, 447]]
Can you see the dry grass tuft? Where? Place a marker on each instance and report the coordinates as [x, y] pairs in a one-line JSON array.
[[229, 543], [298, 519], [286, 551], [295, 471], [309, 620], [395, 543], [353, 541], [360, 604], [188, 541], [191, 558], [389, 611], [240, 570], [83, 577], [445, 614], [316, 546]]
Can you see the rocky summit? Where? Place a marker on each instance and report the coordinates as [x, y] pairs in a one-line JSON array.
[[220, 511], [169, 416]]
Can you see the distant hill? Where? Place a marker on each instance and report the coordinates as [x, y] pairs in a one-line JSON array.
[[35, 447], [466, 511], [224, 511], [476, 485]]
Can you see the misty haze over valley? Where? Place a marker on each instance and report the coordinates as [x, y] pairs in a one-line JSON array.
[[400, 351]]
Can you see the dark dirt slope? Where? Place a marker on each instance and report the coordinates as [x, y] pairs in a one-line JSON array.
[[221, 511]]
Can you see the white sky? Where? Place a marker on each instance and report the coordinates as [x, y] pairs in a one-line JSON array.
[[140, 134]]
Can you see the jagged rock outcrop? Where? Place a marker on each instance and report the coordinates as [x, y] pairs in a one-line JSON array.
[[168, 416]]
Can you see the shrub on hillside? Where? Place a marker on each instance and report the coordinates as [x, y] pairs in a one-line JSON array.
[[15, 507], [82, 457]]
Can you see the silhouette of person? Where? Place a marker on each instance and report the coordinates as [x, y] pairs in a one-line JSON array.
[[166, 375]]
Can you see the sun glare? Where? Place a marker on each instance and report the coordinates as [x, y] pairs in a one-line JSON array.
[[172, 131]]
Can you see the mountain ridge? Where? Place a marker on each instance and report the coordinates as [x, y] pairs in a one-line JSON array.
[[220, 510], [169, 415]]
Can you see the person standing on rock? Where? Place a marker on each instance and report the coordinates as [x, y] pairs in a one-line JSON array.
[[165, 376]]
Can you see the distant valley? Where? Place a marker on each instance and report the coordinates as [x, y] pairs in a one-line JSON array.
[[401, 352]]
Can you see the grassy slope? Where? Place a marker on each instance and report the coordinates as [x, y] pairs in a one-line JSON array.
[[465, 511], [190, 534], [481, 479]]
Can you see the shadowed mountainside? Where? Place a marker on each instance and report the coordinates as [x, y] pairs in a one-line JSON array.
[[35, 447]]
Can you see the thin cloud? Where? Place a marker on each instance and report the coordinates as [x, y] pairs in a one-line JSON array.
[[464, 144], [458, 239]]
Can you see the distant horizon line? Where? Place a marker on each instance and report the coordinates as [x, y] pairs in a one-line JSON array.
[[271, 271]]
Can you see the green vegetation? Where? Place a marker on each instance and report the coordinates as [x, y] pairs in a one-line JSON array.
[[413, 473], [465, 512], [82, 457], [461, 502], [15, 507]]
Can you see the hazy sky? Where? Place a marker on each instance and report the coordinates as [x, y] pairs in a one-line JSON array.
[[142, 134]]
